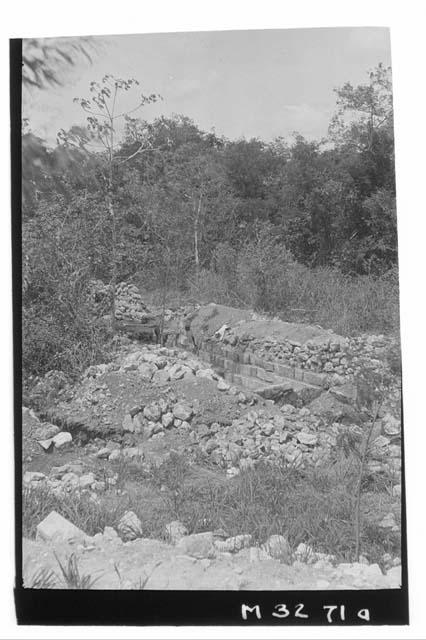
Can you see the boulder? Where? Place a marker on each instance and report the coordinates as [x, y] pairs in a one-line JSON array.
[[182, 411], [233, 544], [31, 478], [57, 528], [87, 480], [175, 531], [198, 545], [152, 412], [304, 437], [277, 547], [103, 453], [167, 420], [222, 385], [129, 526], [127, 424], [61, 439], [146, 371], [46, 432], [160, 377], [206, 373], [391, 426]]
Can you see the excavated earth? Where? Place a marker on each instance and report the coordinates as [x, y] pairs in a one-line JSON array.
[[203, 394]]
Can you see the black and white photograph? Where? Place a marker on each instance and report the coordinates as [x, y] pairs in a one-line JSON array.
[[209, 312]]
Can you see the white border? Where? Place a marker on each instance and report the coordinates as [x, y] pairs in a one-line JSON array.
[[80, 17]]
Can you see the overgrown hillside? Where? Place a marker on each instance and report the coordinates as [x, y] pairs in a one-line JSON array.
[[306, 229]]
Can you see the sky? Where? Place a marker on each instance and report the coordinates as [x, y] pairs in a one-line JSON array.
[[261, 84]]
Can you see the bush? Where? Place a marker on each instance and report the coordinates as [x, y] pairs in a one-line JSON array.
[[264, 276], [55, 342]]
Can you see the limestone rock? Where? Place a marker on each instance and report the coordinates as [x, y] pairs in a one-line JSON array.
[[161, 377], [31, 478], [87, 480], [46, 431], [146, 371], [57, 528], [198, 545], [233, 544], [307, 438], [127, 424], [103, 453], [152, 412], [206, 373], [61, 439], [129, 526], [182, 411], [278, 547], [391, 426], [175, 531], [167, 420], [222, 385]]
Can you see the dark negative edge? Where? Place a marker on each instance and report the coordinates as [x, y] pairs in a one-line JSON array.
[[139, 608]]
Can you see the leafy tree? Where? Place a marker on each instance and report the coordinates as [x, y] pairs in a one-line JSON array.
[[103, 113]]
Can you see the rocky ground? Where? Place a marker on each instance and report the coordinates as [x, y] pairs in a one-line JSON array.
[[149, 403]]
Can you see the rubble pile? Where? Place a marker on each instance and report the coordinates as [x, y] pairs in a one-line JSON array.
[[121, 558], [341, 356], [128, 300]]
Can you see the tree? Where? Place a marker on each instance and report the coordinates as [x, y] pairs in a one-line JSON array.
[[103, 114], [364, 111]]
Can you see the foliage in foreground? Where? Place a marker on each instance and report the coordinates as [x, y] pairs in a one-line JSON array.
[[312, 506]]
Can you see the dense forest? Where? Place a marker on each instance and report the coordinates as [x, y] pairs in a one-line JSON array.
[[304, 229]]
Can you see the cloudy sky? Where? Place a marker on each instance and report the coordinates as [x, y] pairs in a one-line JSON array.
[[241, 83]]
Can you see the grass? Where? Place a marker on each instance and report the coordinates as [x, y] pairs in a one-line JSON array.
[[311, 506], [347, 305]]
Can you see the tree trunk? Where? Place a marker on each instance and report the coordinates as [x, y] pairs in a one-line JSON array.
[[113, 232], [358, 492], [196, 237], [114, 262]]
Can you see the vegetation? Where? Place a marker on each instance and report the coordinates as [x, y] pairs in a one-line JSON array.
[[305, 229], [314, 506]]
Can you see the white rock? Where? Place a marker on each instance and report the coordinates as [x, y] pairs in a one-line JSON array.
[[46, 444], [176, 372], [391, 426], [32, 477], [396, 491], [206, 373], [222, 385], [129, 526], [161, 377], [389, 522], [167, 420], [152, 412], [198, 545], [146, 371], [56, 528], [87, 480], [233, 544], [305, 553], [182, 411], [70, 479], [394, 576], [305, 437], [115, 454], [62, 439], [127, 424], [256, 554], [175, 531], [278, 547], [103, 453]]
